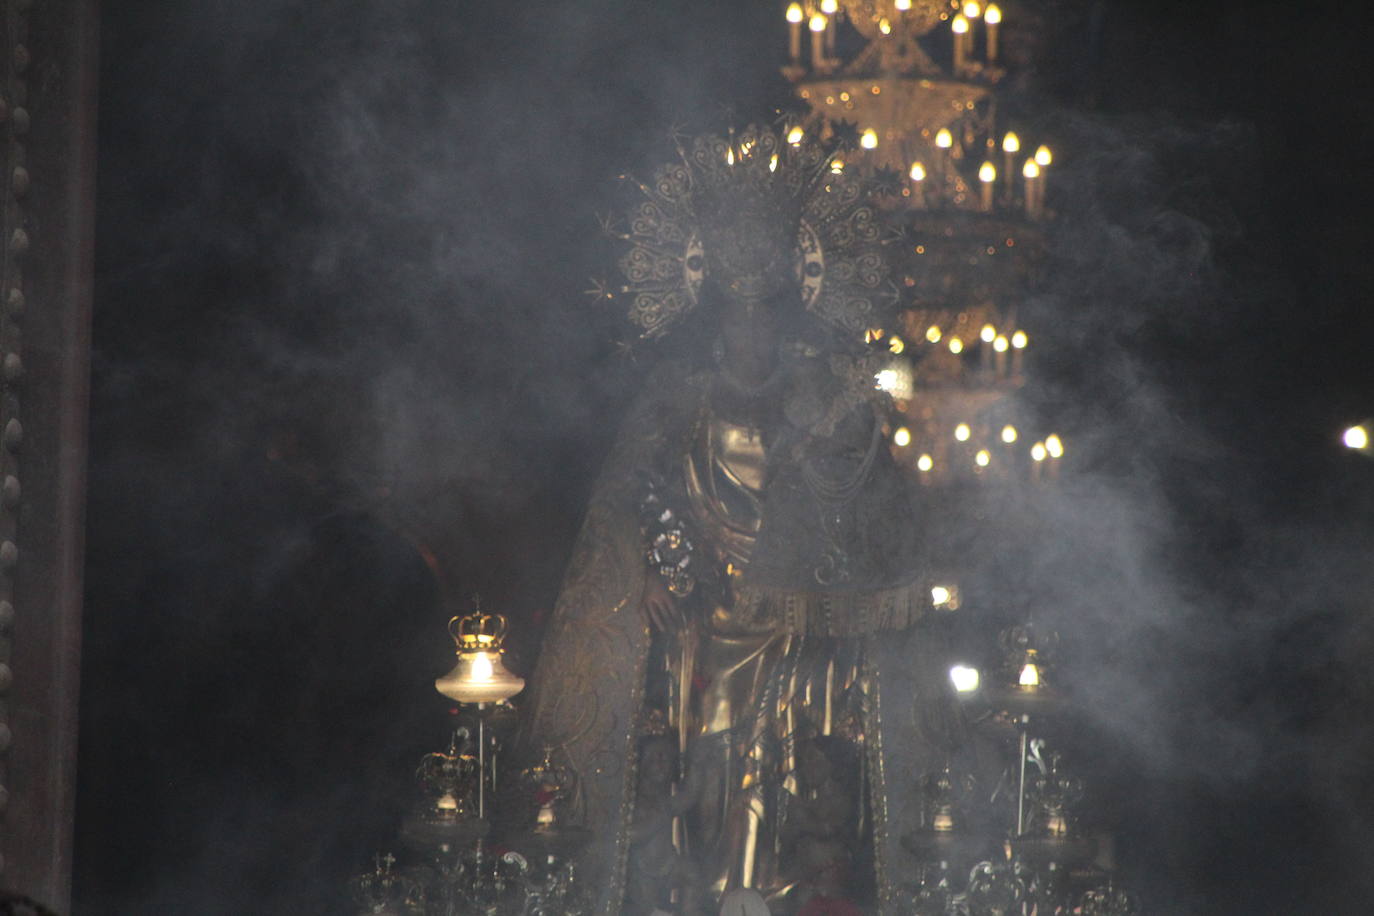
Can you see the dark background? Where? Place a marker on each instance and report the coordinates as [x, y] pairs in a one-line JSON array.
[[342, 251]]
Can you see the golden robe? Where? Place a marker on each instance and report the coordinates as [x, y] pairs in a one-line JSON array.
[[821, 535]]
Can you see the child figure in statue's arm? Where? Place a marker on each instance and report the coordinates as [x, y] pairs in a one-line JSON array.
[[660, 878]]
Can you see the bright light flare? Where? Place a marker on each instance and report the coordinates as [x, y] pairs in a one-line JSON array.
[[1019, 340], [918, 172], [482, 668], [1356, 437], [896, 344], [962, 432], [830, 7], [1008, 434], [886, 379], [794, 13], [902, 5], [956, 346], [794, 136], [1001, 343], [940, 595], [972, 10], [1054, 446], [837, 166], [869, 139], [943, 138], [1043, 156], [817, 23], [987, 333], [925, 463], [959, 25], [993, 14], [1038, 452], [1011, 143], [983, 458], [1030, 675], [933, 333], [884, 26], [964, 678], [987, 173], [902, 437], [1030, 169]]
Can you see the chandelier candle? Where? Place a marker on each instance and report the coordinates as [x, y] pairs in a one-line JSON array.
[[960, 29], [794, 21], [993, 17], [817, 27]]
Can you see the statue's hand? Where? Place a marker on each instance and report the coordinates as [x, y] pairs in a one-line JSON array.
[[659, 605]]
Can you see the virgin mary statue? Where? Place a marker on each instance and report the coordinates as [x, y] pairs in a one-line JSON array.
[[737, 669]]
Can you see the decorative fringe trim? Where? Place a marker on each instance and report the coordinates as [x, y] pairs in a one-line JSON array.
[[832, 613]]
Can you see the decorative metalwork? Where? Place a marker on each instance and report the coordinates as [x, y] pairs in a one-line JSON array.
[[1108, 900], [383, 892], [725, 201], [670, 550]]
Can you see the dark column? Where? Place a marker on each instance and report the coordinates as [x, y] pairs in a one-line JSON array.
[[47, 149]]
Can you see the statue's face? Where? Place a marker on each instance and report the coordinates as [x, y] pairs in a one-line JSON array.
[[750, 262]]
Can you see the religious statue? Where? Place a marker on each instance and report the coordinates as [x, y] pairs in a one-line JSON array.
[[750, 566]]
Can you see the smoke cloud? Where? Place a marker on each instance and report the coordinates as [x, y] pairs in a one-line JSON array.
[[343, 249]]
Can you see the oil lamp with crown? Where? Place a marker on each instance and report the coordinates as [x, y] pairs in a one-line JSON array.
[[479, 678]]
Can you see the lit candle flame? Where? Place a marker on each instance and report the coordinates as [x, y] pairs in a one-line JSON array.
[[918, 172], [1356, 437], [817, 23], [964, 678], [1054, 446], [902, 5], [993, 14], [1011, 143], [884, 26], [956, 346], [1008, 434], [933, 333], [829, 7], [1043, 156], [794, 136], [837, 166], [773, 163], [972, 10], [925, 463], [962, 432], [983, 458], [481, 667], [896, 344], [902, 437], [1038, 451], [794, 13], [1019, 340], [1001, 343], [988, 333], [1031, 169], [939, 595], [869, 140], [959, 25], [730, 156], [943, 138], [987, 172]]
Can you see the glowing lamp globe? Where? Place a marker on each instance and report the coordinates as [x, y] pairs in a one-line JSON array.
[[480, 676]]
